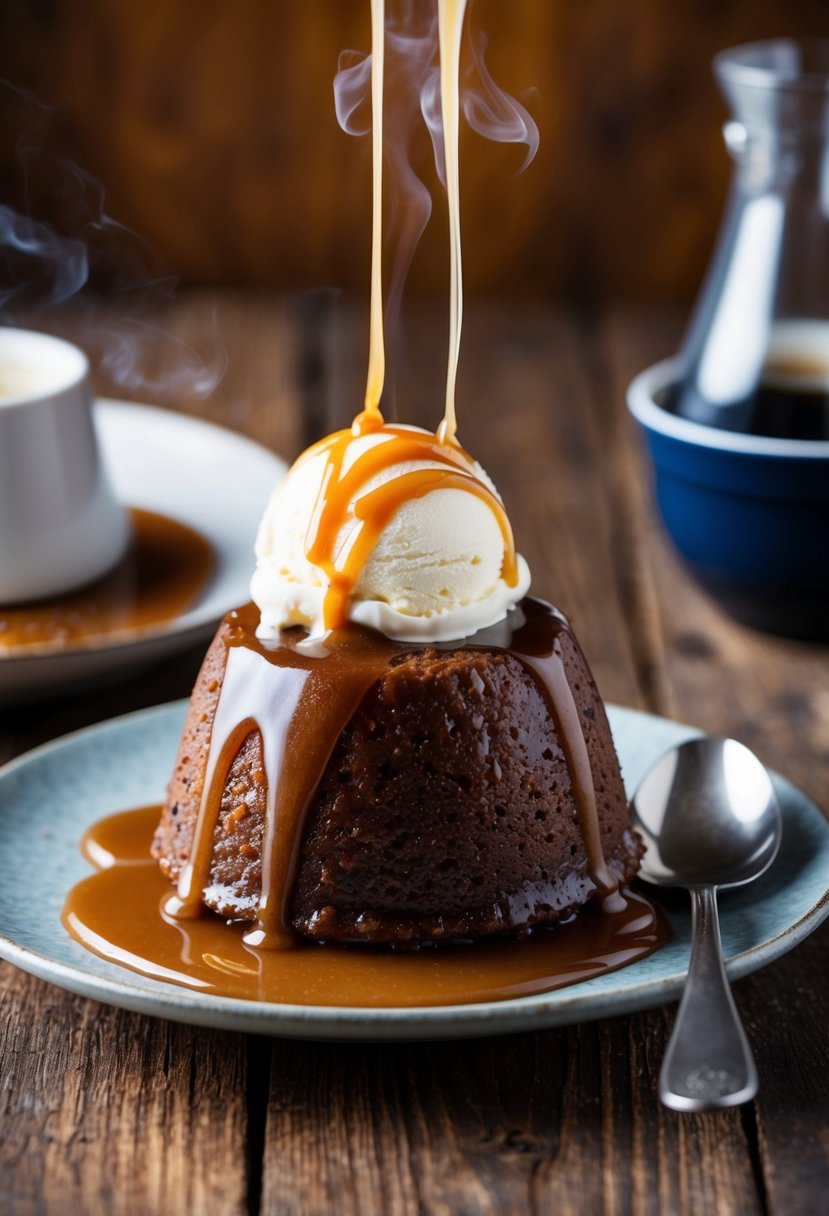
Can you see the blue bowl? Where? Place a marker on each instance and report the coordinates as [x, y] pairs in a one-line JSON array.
[[749, 514]]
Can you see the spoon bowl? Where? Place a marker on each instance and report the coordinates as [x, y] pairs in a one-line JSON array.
[[709, 818]]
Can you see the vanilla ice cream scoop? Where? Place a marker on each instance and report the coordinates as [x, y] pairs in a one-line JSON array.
[[407, 536]]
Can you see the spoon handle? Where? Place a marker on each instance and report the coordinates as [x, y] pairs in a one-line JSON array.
[[708, 1062]]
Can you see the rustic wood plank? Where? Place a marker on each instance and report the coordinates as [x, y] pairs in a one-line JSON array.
[[438, 1128], [29, 725], [106, 1111], [772, 693], [651, 1161], [786, 1010], [564, 1121], [214, 133]]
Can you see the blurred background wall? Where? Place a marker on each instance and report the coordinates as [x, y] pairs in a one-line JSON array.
[[210, 124]]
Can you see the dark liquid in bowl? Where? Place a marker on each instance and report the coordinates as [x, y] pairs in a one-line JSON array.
[[787, 590], [785, 413], [790, 402]]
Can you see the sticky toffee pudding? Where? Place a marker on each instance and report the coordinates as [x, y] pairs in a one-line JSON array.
[[396, 783]]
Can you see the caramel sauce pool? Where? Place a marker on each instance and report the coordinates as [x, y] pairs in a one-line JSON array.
[[116, 913], [163, 572]]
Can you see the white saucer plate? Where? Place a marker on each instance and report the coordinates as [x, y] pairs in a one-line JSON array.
[[50, 796], [215, 481]]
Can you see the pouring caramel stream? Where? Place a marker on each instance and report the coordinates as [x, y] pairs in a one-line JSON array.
[[338, 490], [377, 354], [450, 25]]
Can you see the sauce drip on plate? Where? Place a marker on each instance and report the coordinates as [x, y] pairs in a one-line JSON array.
[[162, 574], [115, 914]]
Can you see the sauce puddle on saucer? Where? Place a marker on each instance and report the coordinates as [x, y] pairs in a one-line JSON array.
[[164, 571], [117, 913]]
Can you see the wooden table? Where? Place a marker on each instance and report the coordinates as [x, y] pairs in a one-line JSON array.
[[106, 1111]]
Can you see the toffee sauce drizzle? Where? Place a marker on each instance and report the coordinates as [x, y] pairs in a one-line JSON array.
[[300, 696], [341, 486]]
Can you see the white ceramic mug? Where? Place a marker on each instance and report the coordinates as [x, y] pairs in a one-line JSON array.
[[60, 524]]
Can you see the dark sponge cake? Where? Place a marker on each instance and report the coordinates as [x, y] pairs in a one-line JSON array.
[[445, 811]]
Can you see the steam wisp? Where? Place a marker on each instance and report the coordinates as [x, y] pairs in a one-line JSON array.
[[414, 96], [42, 269]]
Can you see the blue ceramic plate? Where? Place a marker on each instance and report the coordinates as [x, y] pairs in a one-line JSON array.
[[50, 796]]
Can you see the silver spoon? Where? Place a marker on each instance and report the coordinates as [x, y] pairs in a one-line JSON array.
[[709, 817]]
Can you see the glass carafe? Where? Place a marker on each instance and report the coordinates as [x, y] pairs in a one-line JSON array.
[[756, 355]]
